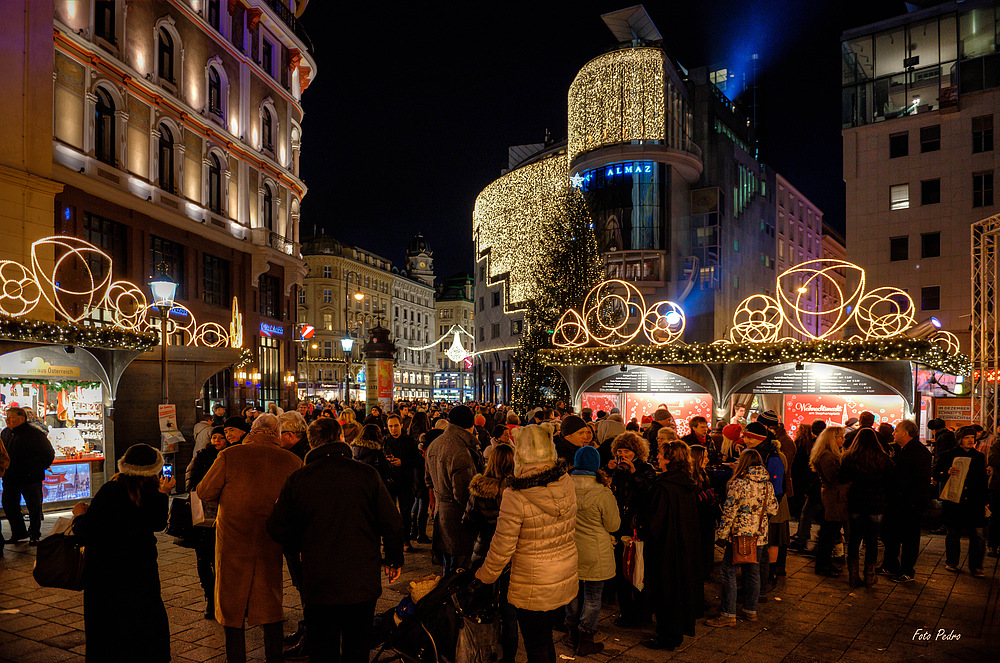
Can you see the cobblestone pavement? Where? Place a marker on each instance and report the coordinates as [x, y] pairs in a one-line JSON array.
[[808, 618]]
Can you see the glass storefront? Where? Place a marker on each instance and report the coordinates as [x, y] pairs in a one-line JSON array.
[[629, 201]]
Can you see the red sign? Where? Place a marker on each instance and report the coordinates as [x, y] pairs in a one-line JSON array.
[[597, 401], [834, 409], [308, 331], [682, 406]]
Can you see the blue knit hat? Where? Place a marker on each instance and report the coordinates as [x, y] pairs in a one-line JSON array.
[[587, 461]]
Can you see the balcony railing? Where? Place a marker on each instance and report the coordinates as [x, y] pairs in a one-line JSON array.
[[264, 237], [285, 14]]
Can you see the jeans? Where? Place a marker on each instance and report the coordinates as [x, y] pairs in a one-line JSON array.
[[585, 609], [901, 533], [977, 546], [811, 511], [404, 497], [339, 633], [11, 503], [828, 532], [204, 550], [536, 629], [418, 516], [751, 582], [864, 527], [994, 535], [763, 569]]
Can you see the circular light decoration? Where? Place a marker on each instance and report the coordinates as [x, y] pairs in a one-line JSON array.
[[571, 331], [19, 291], [613, 312], [126, 303], [946, 340], [180, 320], [663, 323], [210, 335], [885, 312], [807, 280], [72, 280], [757, 319]]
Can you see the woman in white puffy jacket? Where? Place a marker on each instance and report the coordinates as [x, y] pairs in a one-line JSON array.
[[748, 492]]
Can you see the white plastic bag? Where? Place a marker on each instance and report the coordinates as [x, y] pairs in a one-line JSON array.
[[197, 510]]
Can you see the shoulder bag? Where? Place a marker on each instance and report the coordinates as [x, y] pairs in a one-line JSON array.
[[59, 562], [745, 547]]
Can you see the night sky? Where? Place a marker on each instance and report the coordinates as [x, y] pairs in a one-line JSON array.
[[414, 104]]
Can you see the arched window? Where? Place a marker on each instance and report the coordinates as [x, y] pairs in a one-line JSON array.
[[165, 56], [104, 127], [267, 129], [214, 92], [214, 184], [268, 208], [166, 152]]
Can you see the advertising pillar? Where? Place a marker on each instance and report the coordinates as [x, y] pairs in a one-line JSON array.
[[379, 354]]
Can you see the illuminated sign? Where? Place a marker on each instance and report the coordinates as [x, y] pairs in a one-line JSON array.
[[308, 331], [267, 329], [625, 168]]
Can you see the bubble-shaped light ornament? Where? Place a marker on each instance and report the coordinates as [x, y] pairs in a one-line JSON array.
[[885, 312], [664, 323], [757, 319], [72, 264], [127, 304], [613, 312], [571, 331], [946, 340], [210, 335], [808, 278], [19, 291]]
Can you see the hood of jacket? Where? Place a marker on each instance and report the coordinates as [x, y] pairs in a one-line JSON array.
[[588, 489], [485, 487], [366, 444], [758, 474], [550, 488]]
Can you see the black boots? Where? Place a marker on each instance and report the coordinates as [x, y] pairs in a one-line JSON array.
[[587, 646], [854, 580]]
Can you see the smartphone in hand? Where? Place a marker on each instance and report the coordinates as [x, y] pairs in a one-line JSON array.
[[168, 470]]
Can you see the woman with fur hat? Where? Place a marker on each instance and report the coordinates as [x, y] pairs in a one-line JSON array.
[[597, 517], [631, 477], [367, 449], [121, 578], [204, 534], [536, 534]]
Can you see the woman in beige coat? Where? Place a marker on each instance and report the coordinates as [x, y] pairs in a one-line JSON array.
[[245, 480], [536, 533]]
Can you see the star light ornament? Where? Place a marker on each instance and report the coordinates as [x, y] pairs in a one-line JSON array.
[[576, 180], [456, 352]]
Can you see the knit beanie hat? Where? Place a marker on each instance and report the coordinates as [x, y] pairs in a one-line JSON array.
[[218, 430], [601, 414], [661, 415], [756, 431], [614, 410], [586, 461], [462, 416], [480, 420], [732, 432], [533, 444], [237, 422], [141, 460], [571, 424], [769, 419]]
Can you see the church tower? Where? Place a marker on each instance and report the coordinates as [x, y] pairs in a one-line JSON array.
[[419, 260]]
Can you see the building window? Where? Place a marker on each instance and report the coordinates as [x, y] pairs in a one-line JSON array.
[[166, 158], [482, 334], [268, 216], [496, 298], [930, 138], [214, 280], [267, 58], [171, 253], [930, 298], [515, 327], [214, 184], [899, 145], [899, 196], [270, 369], [982, 189], [982, 134], [482, 303], [111, 237], [214, 92], [930, 192], [165, 56], [328, 349], [104, 20], [327, 296], [237, 26], [495, 330], [899, 248], [328, 321], [104, 127], [213, 14], [269, 294], [930, 245], [266, 129], [327, 272], [302, 296]]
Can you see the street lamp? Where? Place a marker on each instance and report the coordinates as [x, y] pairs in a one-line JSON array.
[[164, 289], [347, 344]]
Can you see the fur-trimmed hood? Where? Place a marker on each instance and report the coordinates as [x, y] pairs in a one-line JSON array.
[[366, 444], [541, 478], [486, 487]]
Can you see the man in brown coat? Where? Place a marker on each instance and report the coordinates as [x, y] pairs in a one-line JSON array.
[[245, 480]]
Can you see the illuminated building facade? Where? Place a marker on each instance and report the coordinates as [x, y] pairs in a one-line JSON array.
[[413, 322], [920, 94], [176, 133], [682, 205], [455, 315]]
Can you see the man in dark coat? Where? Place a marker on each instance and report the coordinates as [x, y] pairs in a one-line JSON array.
[[401, 452], [451, 461], [334, 515], [967, 516], [672, 568], [865, 420], [909, 483], [31, 454]]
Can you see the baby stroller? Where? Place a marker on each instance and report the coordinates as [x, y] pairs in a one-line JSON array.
[[456, 622]]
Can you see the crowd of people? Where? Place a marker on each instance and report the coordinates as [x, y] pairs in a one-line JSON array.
[[560, 512]]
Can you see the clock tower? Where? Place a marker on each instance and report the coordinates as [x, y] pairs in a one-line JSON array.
[[419, 260]]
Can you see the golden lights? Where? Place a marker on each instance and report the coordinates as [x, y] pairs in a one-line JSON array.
[[614, 312], [617, 97]]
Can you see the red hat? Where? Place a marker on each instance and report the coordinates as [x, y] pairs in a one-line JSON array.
[[732, 432], [646, 420]]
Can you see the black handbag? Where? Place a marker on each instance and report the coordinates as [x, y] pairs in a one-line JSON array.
[[59, 562], [179, 521]]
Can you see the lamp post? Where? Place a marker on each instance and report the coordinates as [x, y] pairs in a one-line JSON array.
[[164, 289], [347, 344]]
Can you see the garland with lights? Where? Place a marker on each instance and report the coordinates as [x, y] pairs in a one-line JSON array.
[[67, 333], [570, 268], [57, 385], [921, 351]]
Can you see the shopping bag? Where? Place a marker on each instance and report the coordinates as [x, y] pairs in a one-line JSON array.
[[179, 517], [59, 562], [197, 510], [638, 575]]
